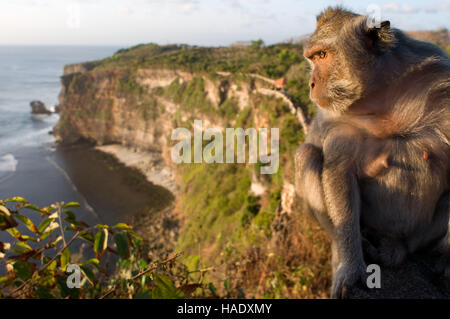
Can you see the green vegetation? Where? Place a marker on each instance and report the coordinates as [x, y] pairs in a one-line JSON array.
[[190, 95], [40, 263], [229, 109], [272, 61]]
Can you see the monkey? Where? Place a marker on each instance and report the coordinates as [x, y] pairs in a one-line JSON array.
[[374, 168]]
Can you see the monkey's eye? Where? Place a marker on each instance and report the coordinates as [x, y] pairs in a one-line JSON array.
[[322, 54]]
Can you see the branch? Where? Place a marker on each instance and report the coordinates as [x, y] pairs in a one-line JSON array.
[[18, 289], [60, 224], [175, 256]]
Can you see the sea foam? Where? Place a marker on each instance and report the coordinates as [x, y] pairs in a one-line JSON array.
[[8, 163]]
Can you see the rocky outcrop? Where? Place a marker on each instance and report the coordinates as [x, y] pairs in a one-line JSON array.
[[414, 279], [38, 107]]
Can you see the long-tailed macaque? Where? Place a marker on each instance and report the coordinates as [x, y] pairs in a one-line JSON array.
[[374, 169]]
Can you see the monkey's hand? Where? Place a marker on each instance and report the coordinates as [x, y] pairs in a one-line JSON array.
[[347, 275]]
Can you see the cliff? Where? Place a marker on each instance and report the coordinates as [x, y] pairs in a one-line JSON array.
[[243, 227]]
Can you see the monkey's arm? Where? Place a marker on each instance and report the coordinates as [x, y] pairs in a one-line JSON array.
[[342, 200], [308, 177]]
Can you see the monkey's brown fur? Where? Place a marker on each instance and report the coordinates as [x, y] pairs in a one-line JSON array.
[[376, 160]]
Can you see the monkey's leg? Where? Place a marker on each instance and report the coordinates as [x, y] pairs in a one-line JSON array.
[[437, 234], [308, 185], [342, 198], [436, 229]]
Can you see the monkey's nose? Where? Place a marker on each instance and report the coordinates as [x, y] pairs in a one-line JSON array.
[[312, 85]]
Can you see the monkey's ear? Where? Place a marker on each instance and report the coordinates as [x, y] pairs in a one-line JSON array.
[[379, 38]]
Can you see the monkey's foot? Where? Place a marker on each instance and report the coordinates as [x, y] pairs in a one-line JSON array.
[[346, 277]]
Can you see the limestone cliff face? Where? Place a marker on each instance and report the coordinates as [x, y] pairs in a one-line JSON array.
[[140, 109], [94, 107]]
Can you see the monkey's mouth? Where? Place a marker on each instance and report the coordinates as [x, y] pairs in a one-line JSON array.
[[321, 101]]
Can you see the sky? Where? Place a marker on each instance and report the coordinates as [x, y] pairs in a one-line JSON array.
[[195, 22]]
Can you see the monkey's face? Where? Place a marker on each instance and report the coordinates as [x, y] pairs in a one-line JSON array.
[[344, 55], [321, 60], [332, 84]]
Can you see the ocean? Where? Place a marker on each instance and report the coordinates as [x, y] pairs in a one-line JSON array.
[[31, 165]]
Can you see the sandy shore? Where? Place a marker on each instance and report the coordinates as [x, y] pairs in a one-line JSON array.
[[149, 163]]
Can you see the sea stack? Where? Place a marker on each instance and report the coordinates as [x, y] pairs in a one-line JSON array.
[[38, 107]]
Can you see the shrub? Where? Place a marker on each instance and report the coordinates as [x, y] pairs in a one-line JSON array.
[[40, 264]]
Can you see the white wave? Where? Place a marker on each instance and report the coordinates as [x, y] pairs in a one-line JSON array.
[[8, 163], [33, 138]]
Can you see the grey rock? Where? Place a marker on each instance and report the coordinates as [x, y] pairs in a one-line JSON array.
[[414, 279], [38, 107]]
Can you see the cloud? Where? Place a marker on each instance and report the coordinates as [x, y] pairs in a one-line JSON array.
[[435, 7], [438, 6], [395, 7]]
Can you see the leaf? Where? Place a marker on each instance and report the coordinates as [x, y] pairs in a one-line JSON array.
[[88, 273], [121, 240], [18, 250], [72, 204], [101, 242], [23, 270], [136, 236], [4, 210], [27, 222], [44, 224], [17, 199], [71, 218], [87, 236], [7, 222], [165, 289], [24, 246], [122, 226], [57, 240], [52, 266], [15, 233], [101, 226], [212, 289], [93, 262], [6, 219], [65, 258], [34, 207], [27, 238], [4, 279], [70, 214], [45, 235], [61, 284]]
